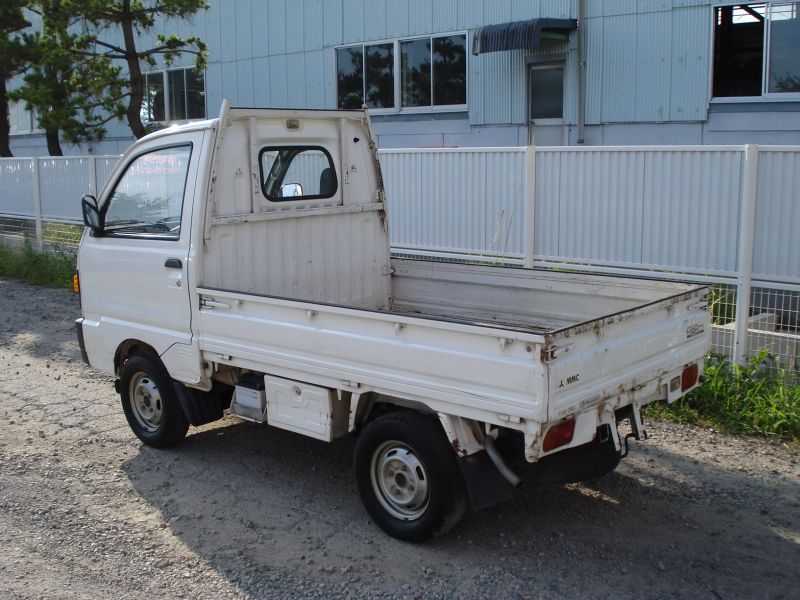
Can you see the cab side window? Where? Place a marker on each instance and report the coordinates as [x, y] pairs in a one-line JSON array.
[[297, 173], [148, 199]]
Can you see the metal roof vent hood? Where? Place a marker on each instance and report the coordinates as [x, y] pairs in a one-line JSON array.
[[525, 35]]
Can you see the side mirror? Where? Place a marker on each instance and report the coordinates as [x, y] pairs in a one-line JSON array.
[[91, 214], [291, 189]]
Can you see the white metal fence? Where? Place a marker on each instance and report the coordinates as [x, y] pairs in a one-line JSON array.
[[671, 209], [727, 215], [38, 196]]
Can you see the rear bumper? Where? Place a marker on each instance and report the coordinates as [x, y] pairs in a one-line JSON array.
[[607, 411], [581, 463]]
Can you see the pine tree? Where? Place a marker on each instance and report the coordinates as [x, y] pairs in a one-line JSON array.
[[132, 18], [12, 51], [70, 91]]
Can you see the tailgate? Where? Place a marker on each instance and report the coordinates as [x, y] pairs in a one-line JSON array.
[[614, 357]]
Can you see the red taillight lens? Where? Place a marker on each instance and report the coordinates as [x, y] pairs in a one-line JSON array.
[[689, 376], [559, 435]]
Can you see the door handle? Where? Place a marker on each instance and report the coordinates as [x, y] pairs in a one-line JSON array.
[[211, 303], [173, 263]]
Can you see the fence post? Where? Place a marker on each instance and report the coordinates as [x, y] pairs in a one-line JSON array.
[[37, 203], [529, 207], [747, 229], [93, 176]]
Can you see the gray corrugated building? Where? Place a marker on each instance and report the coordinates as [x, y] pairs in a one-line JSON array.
[[496, 73]]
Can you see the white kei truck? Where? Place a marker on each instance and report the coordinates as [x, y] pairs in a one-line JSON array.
[[242, 264]]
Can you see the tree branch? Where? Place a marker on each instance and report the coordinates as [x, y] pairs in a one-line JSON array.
[[166, 49], [107, 45], [99, 54]]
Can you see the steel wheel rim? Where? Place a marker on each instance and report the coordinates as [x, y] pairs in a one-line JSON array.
[[146, 403], [400, 480]]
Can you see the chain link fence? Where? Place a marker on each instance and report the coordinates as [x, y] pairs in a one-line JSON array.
[[51, 237]]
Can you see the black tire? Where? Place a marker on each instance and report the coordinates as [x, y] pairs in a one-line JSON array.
[[150, 403], [408, 452]]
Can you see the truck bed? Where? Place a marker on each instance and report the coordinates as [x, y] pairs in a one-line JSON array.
[[540, 301], [508, 343]]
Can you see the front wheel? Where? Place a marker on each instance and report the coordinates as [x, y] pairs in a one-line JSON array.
[[408, 476], [151, 406]]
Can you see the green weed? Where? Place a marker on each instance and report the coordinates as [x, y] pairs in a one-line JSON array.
[[757, 398], [53, 269], [722, 302]]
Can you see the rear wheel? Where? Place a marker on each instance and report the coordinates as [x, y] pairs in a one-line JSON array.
[[408, 476], [150, 403]]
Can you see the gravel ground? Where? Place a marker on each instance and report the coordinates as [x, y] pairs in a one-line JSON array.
[[244, 511]]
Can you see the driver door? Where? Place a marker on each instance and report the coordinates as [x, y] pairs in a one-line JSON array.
[[134, 276]]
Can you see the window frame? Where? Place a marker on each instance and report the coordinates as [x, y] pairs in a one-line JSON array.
[[109, 197], [541, 63], [302, 148], [766, 96], [165, 83], [398, 107], [33, 120]]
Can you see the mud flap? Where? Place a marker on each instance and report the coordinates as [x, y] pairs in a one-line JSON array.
[[485, 485], [199, 407], [81, 342]]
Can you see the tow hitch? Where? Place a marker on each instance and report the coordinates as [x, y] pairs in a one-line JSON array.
[[634, 416]]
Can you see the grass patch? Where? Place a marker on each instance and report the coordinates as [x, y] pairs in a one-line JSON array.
[[757, 398], [26, 264]]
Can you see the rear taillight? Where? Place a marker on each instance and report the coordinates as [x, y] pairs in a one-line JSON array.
[[559, 435], [689, 376]]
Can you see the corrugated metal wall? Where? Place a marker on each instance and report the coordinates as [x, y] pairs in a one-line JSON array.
[[647, 60]]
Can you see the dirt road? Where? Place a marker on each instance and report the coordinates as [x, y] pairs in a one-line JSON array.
[[242, 510]]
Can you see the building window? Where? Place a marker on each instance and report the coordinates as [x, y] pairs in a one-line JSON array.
[[21, 120], [350, 77], [415, 79], [373, 85], [783, 67], [756, 49], [174, 95], [434, 72], [420, 73], [546, 91], [379, 75]]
